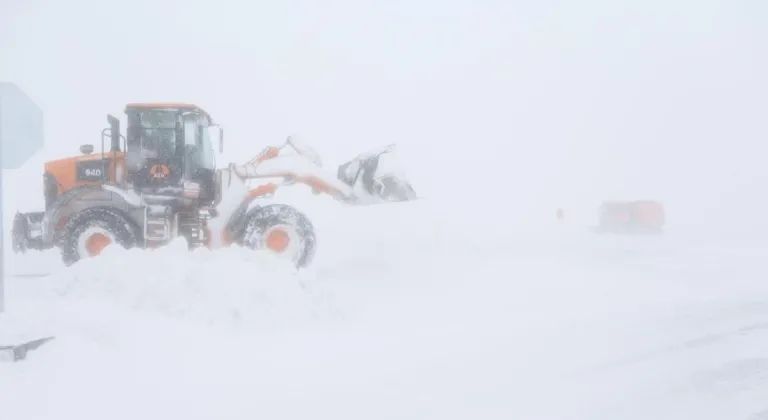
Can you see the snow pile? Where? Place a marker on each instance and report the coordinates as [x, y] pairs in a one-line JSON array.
[[33, 263], [223, 287], [655, 329]]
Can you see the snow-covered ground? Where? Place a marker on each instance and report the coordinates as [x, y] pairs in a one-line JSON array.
[[411, 317], [427, 310], [474, 303]]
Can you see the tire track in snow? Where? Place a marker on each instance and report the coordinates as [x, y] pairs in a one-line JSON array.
[[702, 341]]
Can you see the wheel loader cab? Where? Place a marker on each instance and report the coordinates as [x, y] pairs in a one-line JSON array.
[[169, 145]]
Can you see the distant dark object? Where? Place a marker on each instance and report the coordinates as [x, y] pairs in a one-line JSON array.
[[19, 352], [631, 217], [86, 149]]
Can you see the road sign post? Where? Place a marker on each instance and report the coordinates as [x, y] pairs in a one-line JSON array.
[[21, 136], [2, 216]]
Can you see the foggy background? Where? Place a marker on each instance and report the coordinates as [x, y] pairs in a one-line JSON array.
[[520, 107]]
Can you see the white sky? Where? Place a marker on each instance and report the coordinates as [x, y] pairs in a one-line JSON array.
[[519, 105]]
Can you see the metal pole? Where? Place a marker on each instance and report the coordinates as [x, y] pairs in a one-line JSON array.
[[2, 216]]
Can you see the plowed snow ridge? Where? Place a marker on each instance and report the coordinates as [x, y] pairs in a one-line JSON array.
[[223, 287]]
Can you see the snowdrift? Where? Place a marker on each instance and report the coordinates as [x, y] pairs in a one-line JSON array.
[[226, 287], [433, 325], [425, 308]]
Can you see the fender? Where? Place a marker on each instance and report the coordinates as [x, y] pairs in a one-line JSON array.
[[84, 197], [256, 197]]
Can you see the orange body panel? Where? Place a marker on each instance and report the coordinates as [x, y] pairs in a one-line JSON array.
[[318, 185], [260, 191], [65, 170], [642, 214], [649, 213]]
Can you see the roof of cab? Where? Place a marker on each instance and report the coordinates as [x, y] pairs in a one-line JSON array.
[[170, 105]]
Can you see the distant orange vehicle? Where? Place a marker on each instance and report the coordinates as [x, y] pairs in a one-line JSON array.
[[640, 216]]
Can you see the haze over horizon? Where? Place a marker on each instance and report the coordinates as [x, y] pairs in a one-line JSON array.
[[520, 106]]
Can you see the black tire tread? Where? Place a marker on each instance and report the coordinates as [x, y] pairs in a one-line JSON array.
[[261, 218], [126, 232]]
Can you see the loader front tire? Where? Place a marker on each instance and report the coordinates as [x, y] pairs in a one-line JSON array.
[[283, 230], [87, 233]]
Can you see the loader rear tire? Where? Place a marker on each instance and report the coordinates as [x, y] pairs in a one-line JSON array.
[[283, 230], [87, 233]]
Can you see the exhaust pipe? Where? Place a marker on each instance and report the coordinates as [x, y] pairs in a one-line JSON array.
[[114, 128]]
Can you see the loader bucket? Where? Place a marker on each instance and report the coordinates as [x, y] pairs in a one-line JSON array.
[[378, 174]]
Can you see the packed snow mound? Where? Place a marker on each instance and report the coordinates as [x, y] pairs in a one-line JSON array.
[[33, 263], [226, 287]]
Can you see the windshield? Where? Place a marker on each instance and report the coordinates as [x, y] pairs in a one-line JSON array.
[[151, 135], [159, 132], [157, 119]]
